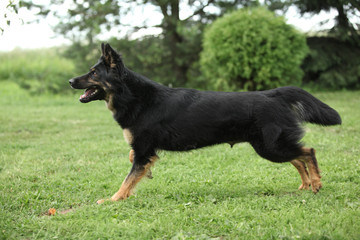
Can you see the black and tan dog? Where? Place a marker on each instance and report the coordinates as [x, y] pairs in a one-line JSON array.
[[154, 117]]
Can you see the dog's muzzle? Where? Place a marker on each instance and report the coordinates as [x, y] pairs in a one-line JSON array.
[[72, 81]]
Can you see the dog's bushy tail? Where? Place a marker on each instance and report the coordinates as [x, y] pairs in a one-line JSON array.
[[308, 108]]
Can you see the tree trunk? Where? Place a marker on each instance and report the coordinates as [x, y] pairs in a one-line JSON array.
[[173, 40], [345, 27]]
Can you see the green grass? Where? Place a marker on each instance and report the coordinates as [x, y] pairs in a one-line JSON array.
[[58, 153]]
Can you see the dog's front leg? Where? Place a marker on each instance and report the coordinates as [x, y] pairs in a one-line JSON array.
[[138, 171], [131, 158]]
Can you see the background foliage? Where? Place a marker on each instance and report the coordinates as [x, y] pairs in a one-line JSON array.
[[332, 64], [84, 22], [172, 55], [39, 71], [56, 153], [252, 49]]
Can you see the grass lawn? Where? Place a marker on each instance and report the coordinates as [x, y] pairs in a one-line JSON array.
[[58, 153]]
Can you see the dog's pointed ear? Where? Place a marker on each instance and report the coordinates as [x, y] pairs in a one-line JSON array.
[[112, 58]]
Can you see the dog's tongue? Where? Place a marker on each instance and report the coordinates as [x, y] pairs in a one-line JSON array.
[[88, 92]]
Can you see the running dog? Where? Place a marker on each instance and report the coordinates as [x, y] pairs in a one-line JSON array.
[[155, 117]]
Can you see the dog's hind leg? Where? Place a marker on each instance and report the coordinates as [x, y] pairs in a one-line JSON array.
[[131, 158], [301, 167], [308, 157]]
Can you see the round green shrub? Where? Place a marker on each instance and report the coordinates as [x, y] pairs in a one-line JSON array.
[[252, 49]]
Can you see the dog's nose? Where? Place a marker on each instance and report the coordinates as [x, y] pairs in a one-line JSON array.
[[71, 81]]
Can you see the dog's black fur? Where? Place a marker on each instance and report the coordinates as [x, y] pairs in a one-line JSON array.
[[179, 119]]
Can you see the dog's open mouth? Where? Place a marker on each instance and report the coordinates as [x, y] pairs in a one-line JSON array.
[[92, 93]]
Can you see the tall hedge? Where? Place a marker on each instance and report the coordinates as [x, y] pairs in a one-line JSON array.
[[252, 49]]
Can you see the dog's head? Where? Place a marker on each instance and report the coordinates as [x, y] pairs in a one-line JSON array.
[[100, 80]]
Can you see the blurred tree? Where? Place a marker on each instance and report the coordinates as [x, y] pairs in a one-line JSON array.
[[8, 8], [181, 37], [344, 28], [333, 61], [278, 5], [347, 11]]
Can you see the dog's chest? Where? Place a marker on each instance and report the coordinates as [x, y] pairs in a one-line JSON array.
[[128, 136]]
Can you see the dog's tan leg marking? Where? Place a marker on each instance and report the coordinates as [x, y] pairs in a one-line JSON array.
[[131, 155], [301, 167], [128, 136], [308, 157], [131, 158], [131, 180]]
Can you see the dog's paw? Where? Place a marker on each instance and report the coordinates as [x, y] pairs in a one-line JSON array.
[[149, 174], [304, 186], [316, 185], [101, 201]]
